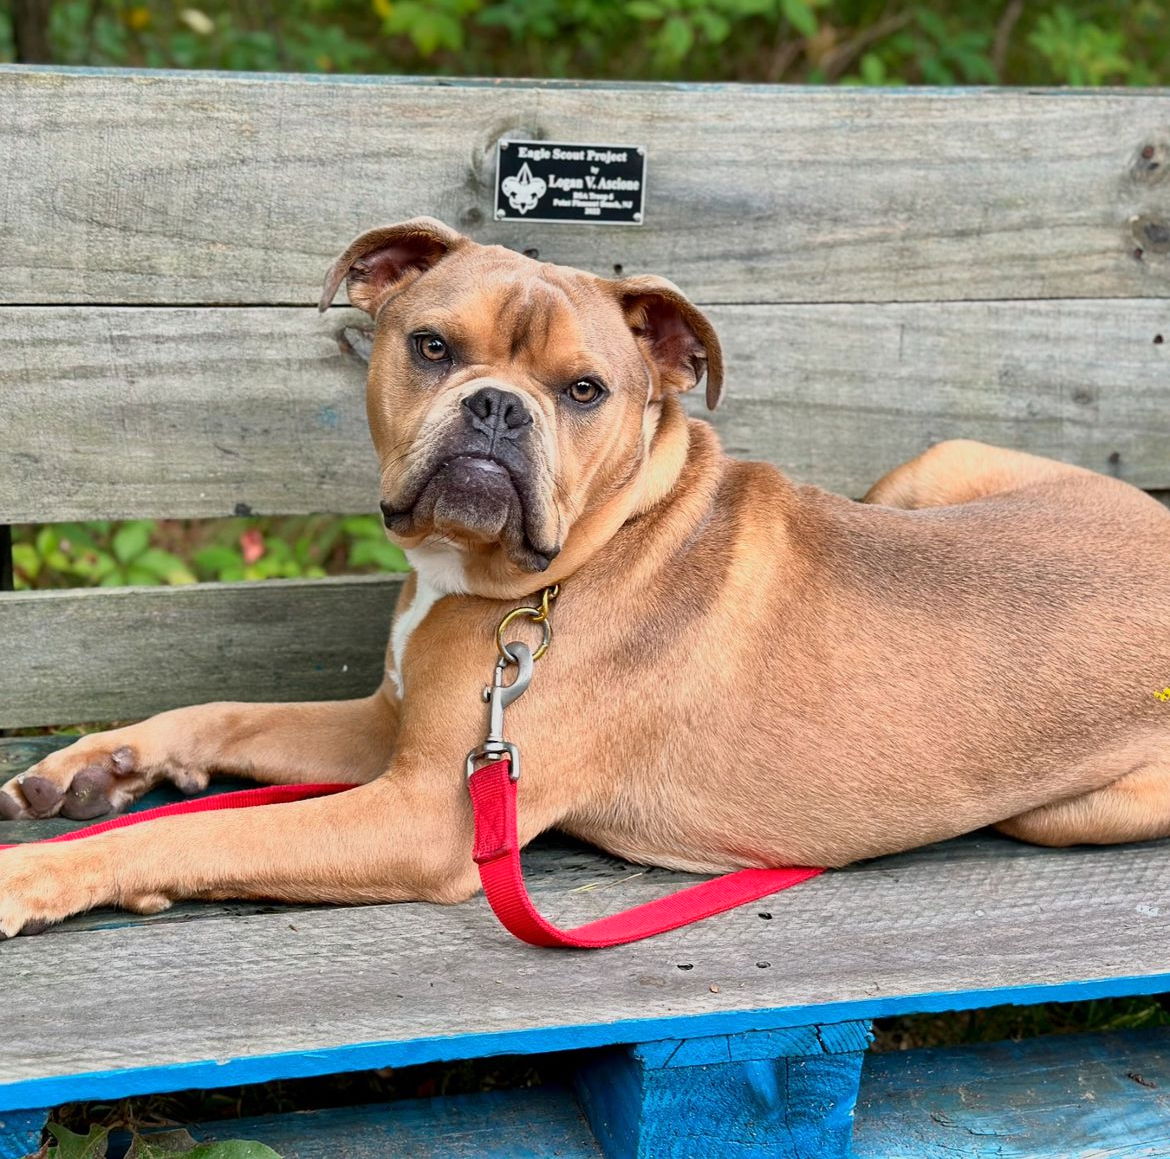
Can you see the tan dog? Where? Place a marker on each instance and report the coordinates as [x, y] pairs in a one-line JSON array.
[[745, 672]]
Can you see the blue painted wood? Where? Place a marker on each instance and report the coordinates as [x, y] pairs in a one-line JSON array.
[[1085, 1096], [785, 1094], [20, 1132], [537, 1123], [210, 1073]]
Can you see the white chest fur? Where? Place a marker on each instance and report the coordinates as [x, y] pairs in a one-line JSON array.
[[439, 572]]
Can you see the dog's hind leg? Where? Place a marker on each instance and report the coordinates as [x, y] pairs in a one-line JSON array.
[[1134, 808], [960, 470], [340, 740]]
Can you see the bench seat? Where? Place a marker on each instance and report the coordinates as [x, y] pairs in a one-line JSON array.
[[109, 1004]]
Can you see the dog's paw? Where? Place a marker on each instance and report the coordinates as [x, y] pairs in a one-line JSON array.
[[86, 780], [96, 775], [41, 885], [38, 888]]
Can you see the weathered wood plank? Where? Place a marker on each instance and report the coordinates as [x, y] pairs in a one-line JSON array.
[[165, 187], [112, 654], [190, 412], [180, 413], [393, 985], [1085, 1096], [541, 1123]]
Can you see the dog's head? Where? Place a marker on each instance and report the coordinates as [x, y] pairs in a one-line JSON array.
[[508, 398]]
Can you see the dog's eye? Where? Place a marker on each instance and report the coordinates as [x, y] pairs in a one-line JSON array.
[[585, 391], [431, 347]]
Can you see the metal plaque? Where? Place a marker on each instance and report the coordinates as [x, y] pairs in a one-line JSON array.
[[556, 181]]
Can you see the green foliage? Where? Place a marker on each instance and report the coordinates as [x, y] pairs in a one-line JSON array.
[[94, 1145], [70, 1146], [146, 552], [995, 1023], [98, 553], [1082, 52], [1041, 42], [369, 546]]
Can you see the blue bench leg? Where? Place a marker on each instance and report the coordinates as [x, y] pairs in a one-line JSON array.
[[784, 1094], [20, 1132]]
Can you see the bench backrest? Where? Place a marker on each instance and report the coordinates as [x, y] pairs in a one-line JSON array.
[[887, 269]]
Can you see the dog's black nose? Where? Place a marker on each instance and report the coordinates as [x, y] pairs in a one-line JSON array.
[[497, 409]]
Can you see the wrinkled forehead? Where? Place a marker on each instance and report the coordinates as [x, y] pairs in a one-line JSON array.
[[507, 306]]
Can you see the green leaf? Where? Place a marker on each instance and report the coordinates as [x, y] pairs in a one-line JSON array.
[[164, 1145], [677, 38], [78, 536], [169, 1144], [873, 69], [644, 10], [26, 560], [58, 561], [131, 539], [141, 577], [233, 1149], [932, 24], [363, 527], [715, 27], [378, 553], [95, 565], [277, 549], [165, 566], [71, 1146], [801, 16], [46, 541], [216, 559]]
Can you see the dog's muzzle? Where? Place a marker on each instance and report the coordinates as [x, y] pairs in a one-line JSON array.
[[480, 481]]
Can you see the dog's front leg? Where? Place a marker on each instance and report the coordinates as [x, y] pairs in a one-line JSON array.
[[339, 740], [405, 836]]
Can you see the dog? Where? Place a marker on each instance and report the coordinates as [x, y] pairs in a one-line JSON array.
[[745, 672]]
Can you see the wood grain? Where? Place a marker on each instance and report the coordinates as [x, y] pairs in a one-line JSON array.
[[419, 979], [1085, 1096], [180, 188], [192, 412], [113, 654]]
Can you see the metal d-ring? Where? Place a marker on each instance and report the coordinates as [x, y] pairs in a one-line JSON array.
[[535, 616]]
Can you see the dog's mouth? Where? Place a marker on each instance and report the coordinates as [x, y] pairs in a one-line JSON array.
[[475, 498]]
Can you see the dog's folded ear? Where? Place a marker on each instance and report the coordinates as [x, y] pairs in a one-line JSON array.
[[677, 341], [384, 261]]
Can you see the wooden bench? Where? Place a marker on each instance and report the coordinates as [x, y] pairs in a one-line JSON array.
[[887, 269]]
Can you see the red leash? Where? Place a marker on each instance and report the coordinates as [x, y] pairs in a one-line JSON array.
[[497, 853], [244, 799]]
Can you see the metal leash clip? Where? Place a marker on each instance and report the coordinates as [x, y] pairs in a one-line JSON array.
[[497, 697]]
